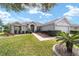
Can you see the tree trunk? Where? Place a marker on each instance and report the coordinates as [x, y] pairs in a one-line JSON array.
[[69, 46]]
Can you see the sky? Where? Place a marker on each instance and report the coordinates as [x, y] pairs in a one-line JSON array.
[[70, 10], [41, 1]]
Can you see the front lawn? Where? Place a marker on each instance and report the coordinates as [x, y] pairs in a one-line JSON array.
[[25, 45], [1, 33]]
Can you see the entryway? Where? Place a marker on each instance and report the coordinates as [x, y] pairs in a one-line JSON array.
[[32, 28]]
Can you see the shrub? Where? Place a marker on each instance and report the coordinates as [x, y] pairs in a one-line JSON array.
[[51, 33], [6, 30], [29, 30], [74, 32]]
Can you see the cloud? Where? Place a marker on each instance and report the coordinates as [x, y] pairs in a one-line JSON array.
[[9, 20], [36, 9], [40, 16], [6, 18], [22, 19], [47, 14], [73, 11], [4, 15]]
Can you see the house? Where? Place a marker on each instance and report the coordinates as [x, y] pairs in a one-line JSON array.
[[19, 28], [61, 24]]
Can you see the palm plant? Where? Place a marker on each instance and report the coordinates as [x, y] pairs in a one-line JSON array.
[[70, 40]]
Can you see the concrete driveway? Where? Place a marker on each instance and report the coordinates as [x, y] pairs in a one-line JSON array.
[[43, 37]]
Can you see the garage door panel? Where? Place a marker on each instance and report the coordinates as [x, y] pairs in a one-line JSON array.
[[62, 28]]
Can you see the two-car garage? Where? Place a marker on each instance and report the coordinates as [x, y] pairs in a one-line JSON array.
[[62, 28]]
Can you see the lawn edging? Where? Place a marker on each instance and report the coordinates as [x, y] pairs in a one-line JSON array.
[[54, 50]]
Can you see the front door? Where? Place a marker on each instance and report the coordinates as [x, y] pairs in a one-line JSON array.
[[32, 28]]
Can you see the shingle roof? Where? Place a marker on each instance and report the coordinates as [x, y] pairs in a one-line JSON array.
[[57, 19], [25, 23]]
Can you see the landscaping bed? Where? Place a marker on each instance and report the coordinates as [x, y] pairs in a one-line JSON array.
[[60, 50]]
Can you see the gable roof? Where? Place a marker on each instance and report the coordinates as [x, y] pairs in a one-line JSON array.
[[56, 20], [59, 19], [25, 23]]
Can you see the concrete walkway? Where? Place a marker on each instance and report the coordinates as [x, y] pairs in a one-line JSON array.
[[39, 37]]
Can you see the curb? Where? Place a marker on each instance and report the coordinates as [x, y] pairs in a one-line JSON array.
[[54, 50]]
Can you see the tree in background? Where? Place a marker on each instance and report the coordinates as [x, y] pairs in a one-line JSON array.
[[24, 6], [1, 25], [6, 30]]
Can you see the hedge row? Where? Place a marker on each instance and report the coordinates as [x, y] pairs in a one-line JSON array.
[[51, 33], [74, 32]]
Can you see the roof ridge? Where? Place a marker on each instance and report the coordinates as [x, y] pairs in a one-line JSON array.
[[56, 19]]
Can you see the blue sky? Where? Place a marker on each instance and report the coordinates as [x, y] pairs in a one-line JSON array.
[[71, 11]]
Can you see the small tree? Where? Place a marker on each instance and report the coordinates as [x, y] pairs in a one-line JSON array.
[[70, 40], [29, 30], [1, 25], [6, 29]]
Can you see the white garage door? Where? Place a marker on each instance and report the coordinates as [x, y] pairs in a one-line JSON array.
[[62, 28]]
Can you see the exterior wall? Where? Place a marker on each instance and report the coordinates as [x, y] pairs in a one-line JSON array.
[[49, 27], [24, 28], [62, 25], [35, 28], [12, 29], [63, 28]]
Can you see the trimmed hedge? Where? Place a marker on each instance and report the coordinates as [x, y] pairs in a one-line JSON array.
[[74, 32], [51, 33]]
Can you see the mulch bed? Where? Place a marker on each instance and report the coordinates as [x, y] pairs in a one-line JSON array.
[[61, 49]]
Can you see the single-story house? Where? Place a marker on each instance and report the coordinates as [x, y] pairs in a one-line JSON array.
[[18, 27], [61, 24]]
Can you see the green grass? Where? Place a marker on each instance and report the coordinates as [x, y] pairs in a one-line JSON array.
[[1, 33], [25, 45]]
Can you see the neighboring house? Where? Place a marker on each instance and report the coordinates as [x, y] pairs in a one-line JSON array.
[[74, 27], [61, 24]]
